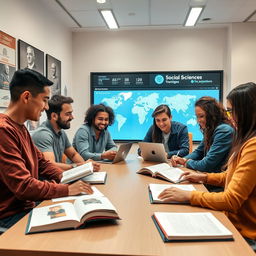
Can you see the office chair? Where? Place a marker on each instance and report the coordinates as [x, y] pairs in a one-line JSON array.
[[190, 137]]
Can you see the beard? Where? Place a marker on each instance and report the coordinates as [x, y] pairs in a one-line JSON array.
[[100, 129], [63, 125]]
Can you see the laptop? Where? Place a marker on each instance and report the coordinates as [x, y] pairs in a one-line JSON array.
[[153, 152], [121, 154]]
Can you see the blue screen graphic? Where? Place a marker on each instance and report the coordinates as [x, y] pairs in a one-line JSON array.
[[133, 109]]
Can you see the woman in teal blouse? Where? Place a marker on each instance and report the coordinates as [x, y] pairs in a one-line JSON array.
[[212, 152]]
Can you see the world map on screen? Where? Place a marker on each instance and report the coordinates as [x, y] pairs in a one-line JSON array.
[[133, 110]]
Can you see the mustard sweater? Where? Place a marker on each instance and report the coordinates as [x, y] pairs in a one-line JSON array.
[[238, 200]]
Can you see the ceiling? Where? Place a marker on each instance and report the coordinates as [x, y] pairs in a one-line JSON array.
[[137, 14]]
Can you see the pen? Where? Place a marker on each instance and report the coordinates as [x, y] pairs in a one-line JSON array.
[[177, 154]]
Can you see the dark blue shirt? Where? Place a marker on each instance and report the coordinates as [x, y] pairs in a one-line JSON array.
[[178, 141]]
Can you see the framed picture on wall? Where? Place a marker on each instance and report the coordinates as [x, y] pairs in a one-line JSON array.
[[33, 58], [53, 73], [30, 57], [7, 66]]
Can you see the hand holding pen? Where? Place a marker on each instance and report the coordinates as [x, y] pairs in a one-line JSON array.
[[177, 154], [177, 160]]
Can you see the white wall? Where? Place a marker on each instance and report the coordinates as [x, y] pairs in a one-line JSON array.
[[148, 50], [32, 22], [243, 53]]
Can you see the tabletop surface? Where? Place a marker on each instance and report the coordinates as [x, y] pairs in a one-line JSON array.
[[134, 234]]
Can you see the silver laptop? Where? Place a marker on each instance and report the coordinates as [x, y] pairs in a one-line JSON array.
[[121, 154], [154, 152]]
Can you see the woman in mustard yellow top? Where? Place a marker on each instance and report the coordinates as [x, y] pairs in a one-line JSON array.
[[238, 200]]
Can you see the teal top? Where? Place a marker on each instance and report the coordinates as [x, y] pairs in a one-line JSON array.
[[47, 140], [88, 147], [216, 157]]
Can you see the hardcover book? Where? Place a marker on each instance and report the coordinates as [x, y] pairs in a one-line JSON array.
[[67, 215]]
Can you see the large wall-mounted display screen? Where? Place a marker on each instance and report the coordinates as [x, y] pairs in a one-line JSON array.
[[134, 96]]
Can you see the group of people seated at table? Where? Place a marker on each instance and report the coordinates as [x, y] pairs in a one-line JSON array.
[[31, 168]]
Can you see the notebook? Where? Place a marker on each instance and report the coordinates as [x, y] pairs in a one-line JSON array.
[[153, 152], [121, 154]]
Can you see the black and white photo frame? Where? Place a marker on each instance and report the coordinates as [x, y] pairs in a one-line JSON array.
[[53, 73], [30, 57]]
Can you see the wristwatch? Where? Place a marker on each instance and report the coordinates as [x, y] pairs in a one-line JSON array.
[[74, 165]]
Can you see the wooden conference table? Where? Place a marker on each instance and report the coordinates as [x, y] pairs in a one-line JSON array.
[[135, 234]]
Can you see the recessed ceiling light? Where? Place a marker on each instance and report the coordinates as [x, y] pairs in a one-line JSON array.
[[101, 1], [109, 18], [193, 15]]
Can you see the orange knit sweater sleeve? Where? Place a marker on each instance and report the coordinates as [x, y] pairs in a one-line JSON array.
[[240, 182]]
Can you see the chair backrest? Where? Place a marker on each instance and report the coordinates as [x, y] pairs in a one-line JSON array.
[[190, 138]]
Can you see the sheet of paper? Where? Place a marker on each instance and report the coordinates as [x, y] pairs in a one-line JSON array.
[[96, 192], [195, 224]]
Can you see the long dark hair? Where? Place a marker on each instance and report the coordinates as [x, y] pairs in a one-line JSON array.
[[243, 101], [157, 133], [215, 115]]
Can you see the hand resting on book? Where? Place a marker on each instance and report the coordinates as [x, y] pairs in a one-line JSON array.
[[78, 187], [195, 177], [175, 194]]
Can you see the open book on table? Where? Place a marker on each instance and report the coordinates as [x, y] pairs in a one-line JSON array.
[[77, 173], [190, 226], [164, 171], [67, 215], [96, 178], [156, 189]]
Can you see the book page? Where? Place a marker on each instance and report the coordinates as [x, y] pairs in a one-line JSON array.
[[157, 167], [77, 172], [156, 189], [86, 204], [98, 177], [172, 174], [52, 214], [196, 224], [96, 192]]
